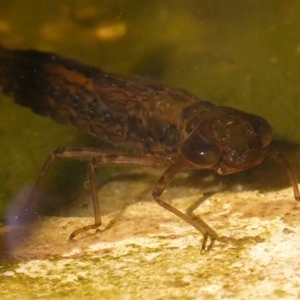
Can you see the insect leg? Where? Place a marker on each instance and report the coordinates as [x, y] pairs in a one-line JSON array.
[[75, 153], [30, 204], [96, 157], [159, 188], [95, 201], [280, 158], [106, 159]]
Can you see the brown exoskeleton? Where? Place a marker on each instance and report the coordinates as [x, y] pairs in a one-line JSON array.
[[166, 127]]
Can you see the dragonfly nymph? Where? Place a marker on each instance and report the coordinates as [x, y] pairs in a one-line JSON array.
[[166, 127]]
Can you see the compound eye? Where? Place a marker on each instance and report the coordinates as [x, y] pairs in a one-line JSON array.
[[200, 151]]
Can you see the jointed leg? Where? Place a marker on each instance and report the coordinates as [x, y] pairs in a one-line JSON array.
[[96, 205], [96, 158], [279, 157], [99, 158], [159, 188]]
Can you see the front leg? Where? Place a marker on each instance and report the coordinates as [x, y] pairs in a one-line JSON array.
[[159, 188]]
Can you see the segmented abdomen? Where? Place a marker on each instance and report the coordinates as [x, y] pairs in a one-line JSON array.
[[128, 112]]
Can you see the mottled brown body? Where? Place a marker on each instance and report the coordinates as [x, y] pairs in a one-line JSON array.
[[165, 127], [128, 112]]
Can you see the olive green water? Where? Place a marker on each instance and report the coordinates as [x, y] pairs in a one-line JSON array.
[[240, 54]]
